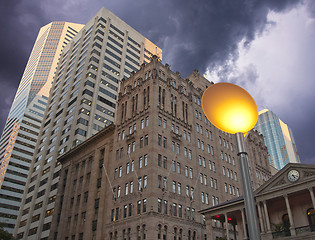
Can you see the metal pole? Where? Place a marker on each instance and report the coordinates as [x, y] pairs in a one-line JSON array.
[[250, 207]]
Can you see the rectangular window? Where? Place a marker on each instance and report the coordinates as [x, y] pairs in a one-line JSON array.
[[140, 162], [179, 186], [165, 162], [139, 206], [146, 140], [130, 210], [127, 168], [159, 160], [125, 211], [145, 159], [178, 167], [139, 183], [147, 121], [133, 146], [164, 142], [174, 209], [180, 211], [145, 181], [165, 206], [142, 123], [159, 205], [126, 188]]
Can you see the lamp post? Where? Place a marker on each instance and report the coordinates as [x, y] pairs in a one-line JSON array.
[[231, 109]]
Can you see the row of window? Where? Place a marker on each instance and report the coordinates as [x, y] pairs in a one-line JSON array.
[[225, 143], [127, 210], [229, 173], [231, 189], [261, 175], [143, 162], [227, 158], [163, 122], [199, 129], [143, 123], [174, 104]]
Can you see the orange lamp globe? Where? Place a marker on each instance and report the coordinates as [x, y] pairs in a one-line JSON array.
[[229, 108]]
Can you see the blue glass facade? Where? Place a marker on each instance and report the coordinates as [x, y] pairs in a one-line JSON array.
[[278, 139]]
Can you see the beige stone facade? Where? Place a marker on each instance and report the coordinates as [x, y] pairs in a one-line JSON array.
[[149, 175]]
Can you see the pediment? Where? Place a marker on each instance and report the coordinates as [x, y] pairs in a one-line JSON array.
[[280, 179]]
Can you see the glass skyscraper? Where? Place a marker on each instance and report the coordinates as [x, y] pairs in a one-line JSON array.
[[21, 130], [82, 101], [278, 139]]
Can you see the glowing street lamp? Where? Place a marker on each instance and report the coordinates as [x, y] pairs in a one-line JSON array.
[[231, 109]]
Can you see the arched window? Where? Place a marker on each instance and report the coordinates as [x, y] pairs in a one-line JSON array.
[[175, 233], [311, 218], [180, 235], [194, 235], [159, 231], [138, 233], [143, 232], [128, 233], [189, 235], [165, 232]]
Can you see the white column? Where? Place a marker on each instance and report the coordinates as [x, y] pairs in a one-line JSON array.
[[262, 226], [227, 227], [267, 217], [244, 224], [312, 196], [292, 227]]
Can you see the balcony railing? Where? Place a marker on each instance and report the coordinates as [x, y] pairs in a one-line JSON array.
[[305, 229], [280, 234], [299, 231]]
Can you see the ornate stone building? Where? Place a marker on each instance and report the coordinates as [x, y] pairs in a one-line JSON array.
[[147, 176], [285, 207]]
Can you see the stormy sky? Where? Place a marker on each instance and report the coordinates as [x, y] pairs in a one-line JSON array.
[[265, 46]]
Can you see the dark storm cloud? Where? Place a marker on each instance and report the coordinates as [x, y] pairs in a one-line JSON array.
[[201, 34], [193, 34]]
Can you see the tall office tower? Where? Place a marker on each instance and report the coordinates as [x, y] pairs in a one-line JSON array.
[[147, 176], [22, 127], [278, 139], [81, 103]]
